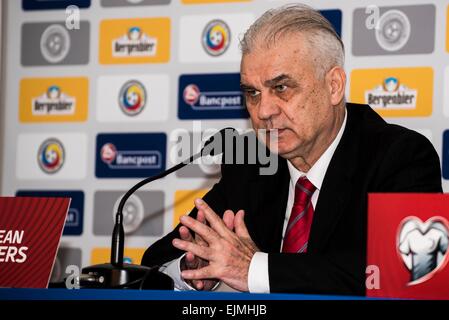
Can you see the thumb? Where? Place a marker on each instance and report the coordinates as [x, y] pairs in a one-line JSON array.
[[240, 227]]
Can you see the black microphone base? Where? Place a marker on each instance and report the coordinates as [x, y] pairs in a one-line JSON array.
[[126, 276]]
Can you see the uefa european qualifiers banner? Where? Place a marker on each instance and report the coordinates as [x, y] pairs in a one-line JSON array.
[[130, 155], [30, 231]]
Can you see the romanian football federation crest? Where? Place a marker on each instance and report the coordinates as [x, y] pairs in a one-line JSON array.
[[216, 37], [51, 156], [132, 98]]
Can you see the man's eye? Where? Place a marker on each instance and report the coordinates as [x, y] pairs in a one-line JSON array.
[[281, 88], [252, 93]]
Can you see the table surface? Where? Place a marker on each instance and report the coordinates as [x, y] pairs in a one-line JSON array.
[[110, 294]]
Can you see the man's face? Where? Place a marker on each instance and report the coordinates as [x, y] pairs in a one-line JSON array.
[[283, 92]]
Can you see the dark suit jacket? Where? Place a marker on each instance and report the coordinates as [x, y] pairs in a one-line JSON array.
[[372, 156]]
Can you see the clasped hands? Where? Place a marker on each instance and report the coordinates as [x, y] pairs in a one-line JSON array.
[[221, 250]]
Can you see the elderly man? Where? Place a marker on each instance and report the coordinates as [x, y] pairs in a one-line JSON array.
[[302, 229]]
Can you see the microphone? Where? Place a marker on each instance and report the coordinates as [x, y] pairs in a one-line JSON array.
[[117, 274]]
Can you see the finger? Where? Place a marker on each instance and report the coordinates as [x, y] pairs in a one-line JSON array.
[[198, 284], [200, 217], [197, 250], [191, 261], [199, 228], [214, 220], [185, 234], [228, 219], [240, 226], [197, 274]]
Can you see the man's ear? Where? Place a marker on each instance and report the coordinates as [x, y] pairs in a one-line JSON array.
[[336, 79]]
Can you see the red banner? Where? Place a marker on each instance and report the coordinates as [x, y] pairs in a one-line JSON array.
[[30, 230], [408, 246]]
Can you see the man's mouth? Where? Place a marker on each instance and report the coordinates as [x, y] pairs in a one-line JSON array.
[[277, 131]]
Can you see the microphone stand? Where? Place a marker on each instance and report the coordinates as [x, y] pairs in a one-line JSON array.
[[119, 275]]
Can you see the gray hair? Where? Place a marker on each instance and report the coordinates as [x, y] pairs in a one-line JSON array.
[[323, 41]]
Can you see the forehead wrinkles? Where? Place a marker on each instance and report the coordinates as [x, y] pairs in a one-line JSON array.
[[297, 41], [289, 50]]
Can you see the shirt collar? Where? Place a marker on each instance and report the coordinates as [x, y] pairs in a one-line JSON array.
[[318, 170]]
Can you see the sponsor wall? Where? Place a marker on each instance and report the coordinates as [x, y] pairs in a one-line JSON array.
[[89, 111]]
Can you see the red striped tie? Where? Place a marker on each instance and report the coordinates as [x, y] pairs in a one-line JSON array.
[[298, 229]]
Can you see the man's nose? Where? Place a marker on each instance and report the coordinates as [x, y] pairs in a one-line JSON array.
[[267, 107]]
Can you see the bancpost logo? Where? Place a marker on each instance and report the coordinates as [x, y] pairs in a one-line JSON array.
[[184, 202], [53, 100], [135, 41], [394, 30], [130, 155], [74, 219], [103, 255], [395, 92], [211, 96]]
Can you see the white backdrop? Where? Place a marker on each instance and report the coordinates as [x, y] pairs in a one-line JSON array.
[[181, 53]]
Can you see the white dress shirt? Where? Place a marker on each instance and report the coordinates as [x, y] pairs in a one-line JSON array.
[[258, 279]]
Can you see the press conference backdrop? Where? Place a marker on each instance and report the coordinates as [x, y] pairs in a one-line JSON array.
[[91, 108]]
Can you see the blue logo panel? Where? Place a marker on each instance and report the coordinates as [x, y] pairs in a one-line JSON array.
[[53, 4], [334, 17], [74, 220], [446, 155], [211, 96], [130, 155]]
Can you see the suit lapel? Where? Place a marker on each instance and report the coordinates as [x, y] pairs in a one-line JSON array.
[[337, 184]]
